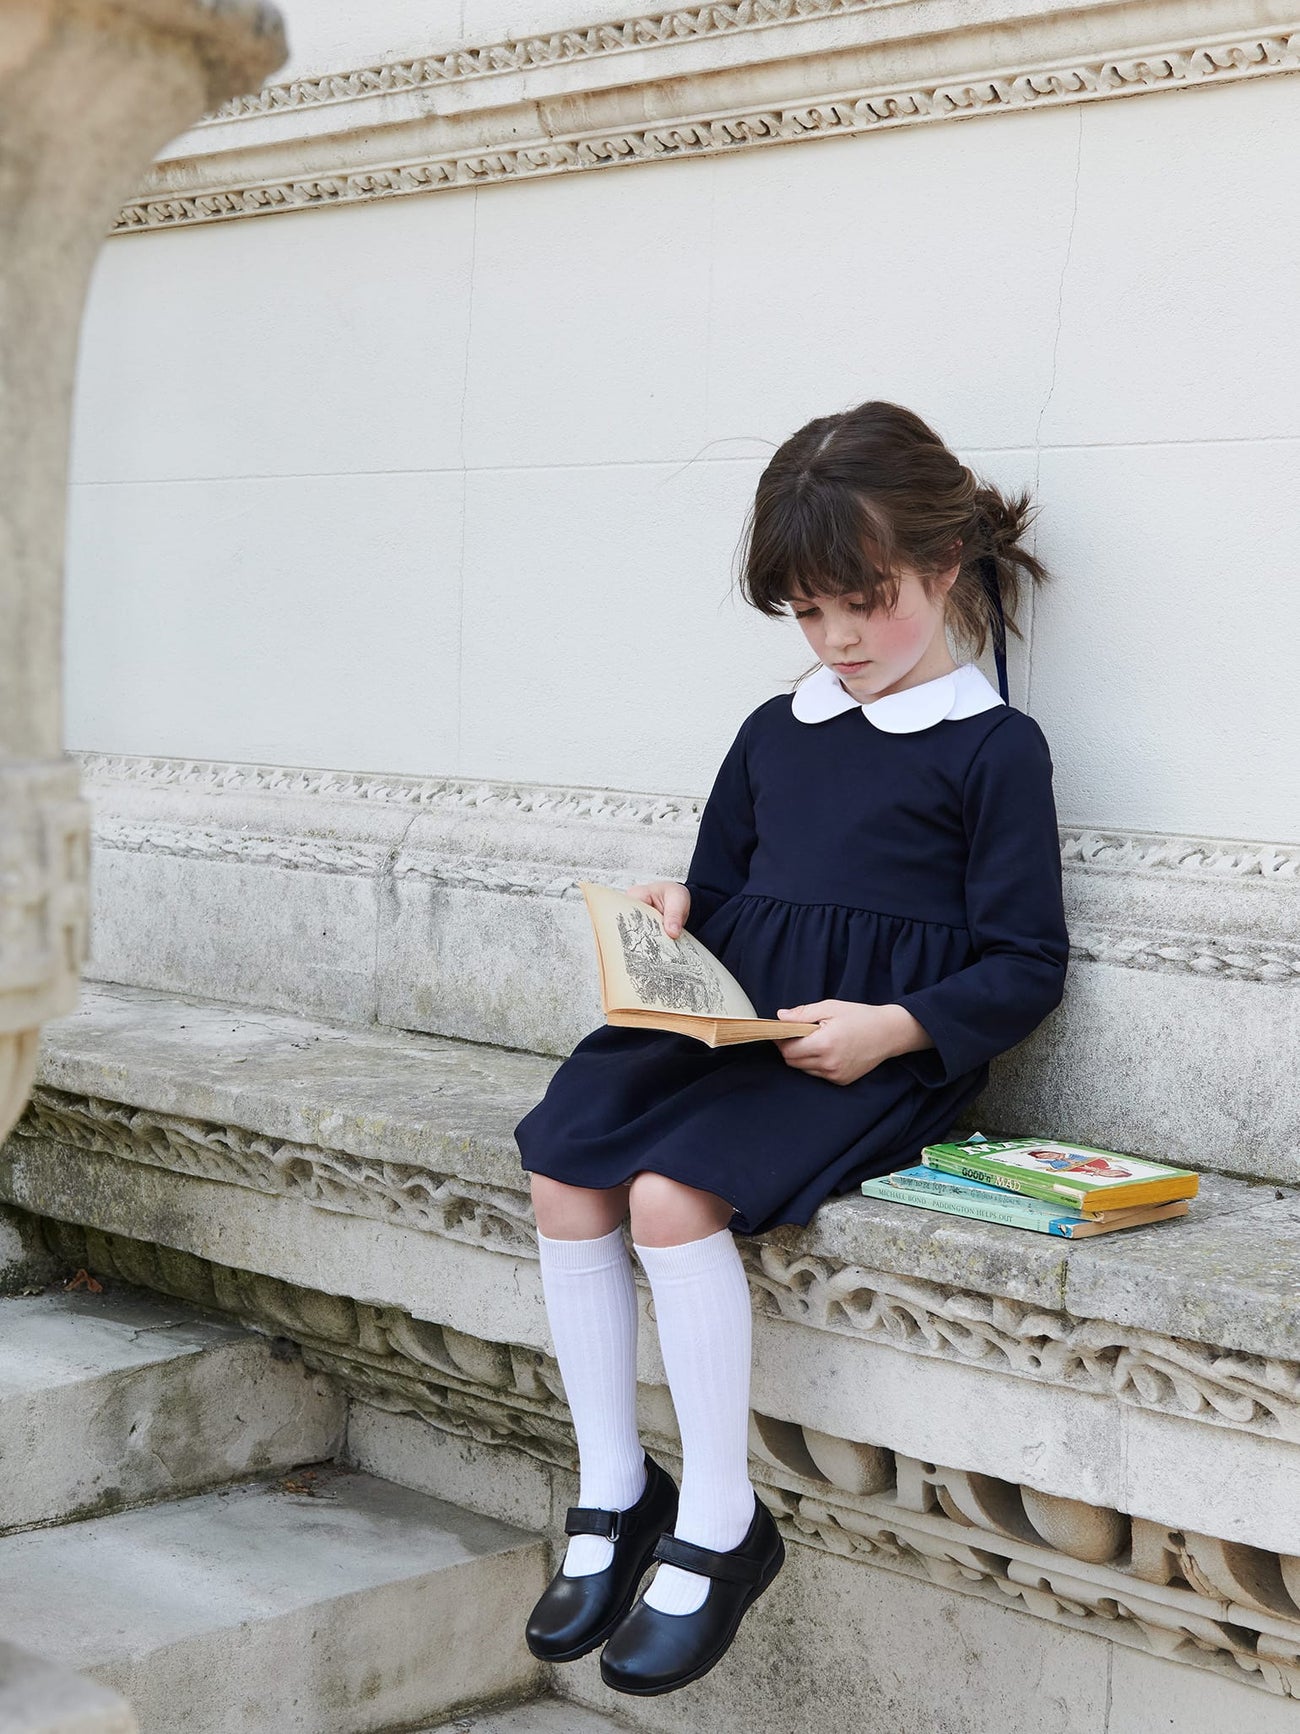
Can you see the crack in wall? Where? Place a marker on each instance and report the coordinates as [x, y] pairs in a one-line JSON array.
[[464, 485], [385, 887], [1051, 387], [1110, 1684]]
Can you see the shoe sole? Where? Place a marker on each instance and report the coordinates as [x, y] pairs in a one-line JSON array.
[[598, 1638], [778, 1560]]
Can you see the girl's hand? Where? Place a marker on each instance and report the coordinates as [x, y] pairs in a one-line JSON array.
[[673, 901], [853, 1038]]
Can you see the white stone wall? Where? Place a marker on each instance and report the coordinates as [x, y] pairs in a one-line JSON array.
[[451, 484]]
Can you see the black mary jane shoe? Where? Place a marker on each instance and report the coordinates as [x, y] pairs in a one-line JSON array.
[[574, 1614], [652, 1651]]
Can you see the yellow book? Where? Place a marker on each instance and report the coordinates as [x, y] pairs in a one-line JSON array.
[[649, 981]]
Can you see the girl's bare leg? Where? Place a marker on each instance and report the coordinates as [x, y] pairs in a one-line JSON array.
[[667, 1213], [577, 1212]]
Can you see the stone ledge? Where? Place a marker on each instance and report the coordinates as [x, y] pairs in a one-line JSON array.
[[416, 1131]]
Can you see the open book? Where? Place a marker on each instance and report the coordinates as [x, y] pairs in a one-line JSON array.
[[651, 982]]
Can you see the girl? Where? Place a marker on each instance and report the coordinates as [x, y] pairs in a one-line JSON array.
[[879, 855]]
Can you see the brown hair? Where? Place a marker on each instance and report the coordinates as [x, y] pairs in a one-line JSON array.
[[850, 496]]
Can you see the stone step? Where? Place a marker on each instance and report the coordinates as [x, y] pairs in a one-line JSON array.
[[38, 1698], [112, 1399], [540, 1716], [338, 1604]]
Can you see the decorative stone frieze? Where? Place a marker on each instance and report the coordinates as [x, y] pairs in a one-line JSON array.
[[308, 854], [1175, 1593], [522, 54], [689, 82], [454, 794], [1156, 1372], [446, 1204], [44, 847], [1232, 959], [1133, 852]]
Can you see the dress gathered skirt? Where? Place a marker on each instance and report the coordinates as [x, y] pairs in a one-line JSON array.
[[835, 860]]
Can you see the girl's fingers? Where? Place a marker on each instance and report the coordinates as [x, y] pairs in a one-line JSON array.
[[807, 1058], [673, 902], [675, 907], [817, 1066]]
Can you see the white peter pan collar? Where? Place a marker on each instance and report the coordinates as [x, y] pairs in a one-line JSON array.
[[961, 692]]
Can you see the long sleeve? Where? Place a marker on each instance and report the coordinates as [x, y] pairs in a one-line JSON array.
[[1014, 911], [720, 860]]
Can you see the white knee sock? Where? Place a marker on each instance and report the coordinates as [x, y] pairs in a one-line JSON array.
[[590, 1296], [702, 1307]]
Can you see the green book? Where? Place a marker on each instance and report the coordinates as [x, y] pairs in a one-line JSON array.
[[1079, 1177]]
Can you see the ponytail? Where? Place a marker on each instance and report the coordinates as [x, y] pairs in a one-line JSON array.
[[983, 601]]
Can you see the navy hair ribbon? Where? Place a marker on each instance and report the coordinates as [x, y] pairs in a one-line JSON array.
[[989, 579]]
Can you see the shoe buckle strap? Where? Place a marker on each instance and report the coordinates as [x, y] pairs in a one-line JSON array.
[[594, 1520], [730, 1567]]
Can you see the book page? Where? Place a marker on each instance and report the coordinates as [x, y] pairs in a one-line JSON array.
[[643, 969]]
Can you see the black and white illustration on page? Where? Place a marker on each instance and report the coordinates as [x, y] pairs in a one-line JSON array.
[[668, 974]]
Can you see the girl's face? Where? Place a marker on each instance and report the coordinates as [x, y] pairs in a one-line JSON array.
[[887, 649]]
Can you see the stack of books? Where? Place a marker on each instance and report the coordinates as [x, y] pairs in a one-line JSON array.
[[1073, 1190]]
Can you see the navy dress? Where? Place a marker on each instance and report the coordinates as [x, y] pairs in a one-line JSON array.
[[837, 861]]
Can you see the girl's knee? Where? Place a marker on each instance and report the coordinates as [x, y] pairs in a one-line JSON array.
[[666, 1212], [564, 1212]]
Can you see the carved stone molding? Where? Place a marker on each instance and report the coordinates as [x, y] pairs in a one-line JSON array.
[[452, 794], [1167, 1375], [520, 54], [689, 82], [1235, 959], [1207, 858], [44, 848], [539, 834], [203, 843], [1186, 1597], [318, 855], [44, 853], [494, 1217], [1208, 1619]]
